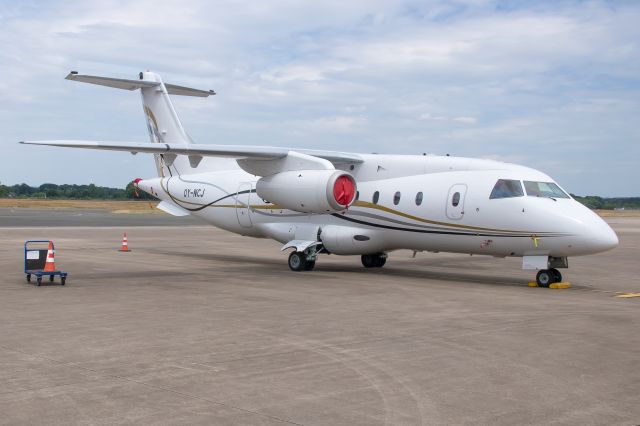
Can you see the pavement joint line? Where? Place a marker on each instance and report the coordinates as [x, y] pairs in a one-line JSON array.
[[122, 378], [44, 387]]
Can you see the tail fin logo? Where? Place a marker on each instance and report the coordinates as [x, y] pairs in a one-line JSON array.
[[152, 126]]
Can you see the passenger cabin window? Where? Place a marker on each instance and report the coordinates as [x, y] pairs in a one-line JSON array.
[[507, 188], [544, 189], [396, 198], [376, 196], [418, 198], [455, 200], [357, 196]]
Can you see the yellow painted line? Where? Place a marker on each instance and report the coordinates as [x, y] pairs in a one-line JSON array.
[[566, 284], [627, 295]]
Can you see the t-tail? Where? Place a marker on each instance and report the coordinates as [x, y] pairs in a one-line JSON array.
[[162, 121]]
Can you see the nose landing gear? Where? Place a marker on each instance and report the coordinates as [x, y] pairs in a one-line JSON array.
[[546, 277]]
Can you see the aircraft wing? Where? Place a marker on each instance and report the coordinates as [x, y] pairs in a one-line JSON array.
[[204, 150]]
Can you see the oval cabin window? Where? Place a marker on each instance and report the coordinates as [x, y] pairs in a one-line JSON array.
[[455, 200], [418, 198], [376, 196], [396, 198]]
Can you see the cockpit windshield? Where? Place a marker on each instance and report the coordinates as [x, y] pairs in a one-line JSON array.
[[507, 188], [544, 189]]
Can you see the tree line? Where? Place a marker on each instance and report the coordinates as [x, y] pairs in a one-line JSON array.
[[600, 203], [73, 192]]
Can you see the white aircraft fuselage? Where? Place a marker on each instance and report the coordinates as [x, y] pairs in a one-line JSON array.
[[516, 226], [344, 203]]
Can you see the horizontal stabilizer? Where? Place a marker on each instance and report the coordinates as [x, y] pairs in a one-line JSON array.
[[120, 83], [174, 89]]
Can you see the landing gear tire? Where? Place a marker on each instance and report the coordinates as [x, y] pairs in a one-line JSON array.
[[557, 276], [373, 260], [368, 260], [297, 261], [380, 261], [544, 278]]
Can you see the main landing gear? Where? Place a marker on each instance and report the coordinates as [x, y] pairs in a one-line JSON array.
[[546, 277], [376, 260], [301, 261], [306, 260]]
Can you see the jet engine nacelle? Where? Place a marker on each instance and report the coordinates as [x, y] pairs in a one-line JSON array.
[[346, 240], [309, 191]]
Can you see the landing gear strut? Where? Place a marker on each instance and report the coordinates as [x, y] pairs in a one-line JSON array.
[[376, 260], [546, 277]]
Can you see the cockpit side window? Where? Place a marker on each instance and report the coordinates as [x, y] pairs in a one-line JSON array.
[[507, 188], [544, 189]]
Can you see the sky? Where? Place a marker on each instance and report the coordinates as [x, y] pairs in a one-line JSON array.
[[553, 85]]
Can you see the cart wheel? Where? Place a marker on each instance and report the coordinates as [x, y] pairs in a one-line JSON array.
[[50, 278], [28, 278], [63, 280], [38, 281]]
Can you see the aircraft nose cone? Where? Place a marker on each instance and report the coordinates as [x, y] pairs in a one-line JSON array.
[[604, 237], [597, 235], [594, 235]]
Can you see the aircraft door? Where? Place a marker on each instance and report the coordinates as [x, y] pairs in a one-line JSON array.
[[243, 200], [455, 201]]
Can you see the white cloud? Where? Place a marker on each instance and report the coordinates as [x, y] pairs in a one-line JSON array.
[[466, 120], [332, 124], [467, 78]]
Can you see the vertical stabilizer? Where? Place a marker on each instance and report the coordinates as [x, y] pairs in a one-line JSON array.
[[162, 121], [163, 124]]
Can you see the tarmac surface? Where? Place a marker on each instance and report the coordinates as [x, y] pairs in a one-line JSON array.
[[86, 217], [199, 326]]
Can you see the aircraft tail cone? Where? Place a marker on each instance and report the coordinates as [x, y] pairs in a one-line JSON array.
[[125, 243], [50, 265]]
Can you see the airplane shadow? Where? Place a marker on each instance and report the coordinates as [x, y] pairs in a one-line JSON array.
[[276, 266]]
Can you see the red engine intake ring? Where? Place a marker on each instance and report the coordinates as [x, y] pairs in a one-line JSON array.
[[344, 190]]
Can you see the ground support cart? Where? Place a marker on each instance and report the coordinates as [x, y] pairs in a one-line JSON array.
[[35, 259]]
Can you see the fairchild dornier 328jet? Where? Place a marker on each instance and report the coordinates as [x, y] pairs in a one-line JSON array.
[[327, 202]]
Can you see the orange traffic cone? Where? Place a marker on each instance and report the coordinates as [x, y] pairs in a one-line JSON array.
[[125, 244], [50, 265]]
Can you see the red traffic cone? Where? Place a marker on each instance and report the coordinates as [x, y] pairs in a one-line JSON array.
[[50, 265], [125, 243]]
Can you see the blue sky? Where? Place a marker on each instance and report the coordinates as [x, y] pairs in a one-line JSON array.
[[551, 85]]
